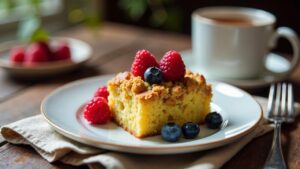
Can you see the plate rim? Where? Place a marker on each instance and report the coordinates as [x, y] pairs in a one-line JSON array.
[[96, 143]]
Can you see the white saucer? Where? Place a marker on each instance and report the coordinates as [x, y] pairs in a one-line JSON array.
[[274, 63], [63, 111]]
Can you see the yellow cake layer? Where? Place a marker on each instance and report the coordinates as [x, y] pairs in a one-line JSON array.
[[142, 109]]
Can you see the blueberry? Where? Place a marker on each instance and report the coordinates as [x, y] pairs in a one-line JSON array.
[[190, 130], [213, 120], [153, 75], [171, 132]]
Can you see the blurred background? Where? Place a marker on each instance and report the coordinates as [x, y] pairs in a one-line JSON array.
[[29, 19]]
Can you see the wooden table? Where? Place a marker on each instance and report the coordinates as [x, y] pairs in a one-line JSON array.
[[114, 48]]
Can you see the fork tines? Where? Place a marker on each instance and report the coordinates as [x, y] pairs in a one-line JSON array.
[[281, 102]]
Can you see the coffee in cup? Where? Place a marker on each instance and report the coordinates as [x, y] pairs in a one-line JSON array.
[[233, 42]]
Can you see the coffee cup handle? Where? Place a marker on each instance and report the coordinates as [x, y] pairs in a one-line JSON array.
[[292, 37]]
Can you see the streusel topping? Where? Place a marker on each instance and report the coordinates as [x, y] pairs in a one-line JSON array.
[[168, 91]]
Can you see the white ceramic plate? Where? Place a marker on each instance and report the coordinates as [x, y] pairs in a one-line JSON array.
[[61, 109], [274, 63], [80, 53]]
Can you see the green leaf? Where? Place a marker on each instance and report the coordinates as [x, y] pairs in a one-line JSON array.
[[40, 35]]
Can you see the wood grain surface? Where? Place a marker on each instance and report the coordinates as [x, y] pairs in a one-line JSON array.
[[114, 47]]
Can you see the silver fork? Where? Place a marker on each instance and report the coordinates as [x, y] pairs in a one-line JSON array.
[[280, 109]]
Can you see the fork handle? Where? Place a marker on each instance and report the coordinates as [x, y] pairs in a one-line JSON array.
[[275, 158]]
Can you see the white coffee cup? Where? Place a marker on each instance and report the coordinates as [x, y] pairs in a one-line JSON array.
[[233, 42]]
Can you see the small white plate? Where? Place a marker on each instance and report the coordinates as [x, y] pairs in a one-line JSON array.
[[80, 53], [274, 63], [63, 110]]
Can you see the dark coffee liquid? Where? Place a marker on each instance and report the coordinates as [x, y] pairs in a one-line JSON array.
[[240, 21]]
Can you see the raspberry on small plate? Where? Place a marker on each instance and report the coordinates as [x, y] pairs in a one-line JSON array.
[[41, 59]]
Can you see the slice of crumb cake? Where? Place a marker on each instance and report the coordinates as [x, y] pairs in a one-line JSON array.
[[142, 109]]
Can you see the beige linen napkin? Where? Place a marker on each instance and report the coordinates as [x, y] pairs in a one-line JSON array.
[[52, 146]]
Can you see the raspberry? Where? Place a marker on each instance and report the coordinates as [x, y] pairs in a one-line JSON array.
[[97, 111], [17, 55], [143, 60], [62, 52], [102, 92], [172, 66], [35, 54], [46, 48]]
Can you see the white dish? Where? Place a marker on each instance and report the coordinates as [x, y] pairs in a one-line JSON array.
[[80, 53], [60, 109], [274, 63]]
